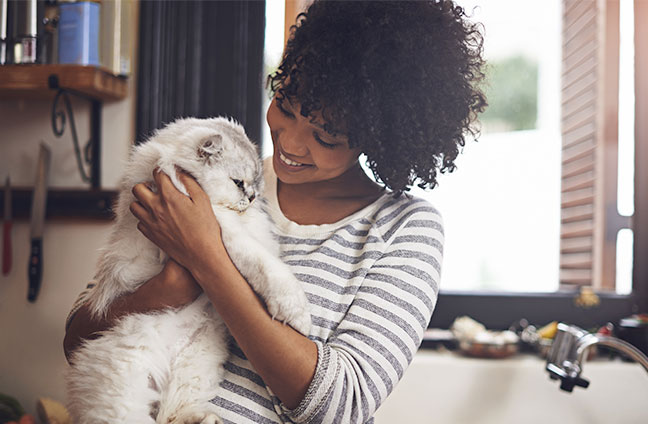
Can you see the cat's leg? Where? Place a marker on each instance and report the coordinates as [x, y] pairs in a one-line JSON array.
[[271, 278], [108, 382], [195, 376]]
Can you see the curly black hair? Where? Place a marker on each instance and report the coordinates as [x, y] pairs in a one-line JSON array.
[[400, 79]]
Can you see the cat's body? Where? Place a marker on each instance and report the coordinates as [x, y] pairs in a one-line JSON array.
[[164, 367]]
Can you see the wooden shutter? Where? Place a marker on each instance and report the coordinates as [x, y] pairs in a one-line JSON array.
[[590, 91]]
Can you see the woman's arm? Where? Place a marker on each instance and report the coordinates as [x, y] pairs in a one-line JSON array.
[[187, 230], [284, 358], [173, 287]]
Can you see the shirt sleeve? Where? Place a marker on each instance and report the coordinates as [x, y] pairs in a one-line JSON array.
[[78, 303], [368, 353]]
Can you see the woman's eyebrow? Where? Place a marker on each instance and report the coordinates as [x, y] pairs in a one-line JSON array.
[[313, 120], [318, 125]]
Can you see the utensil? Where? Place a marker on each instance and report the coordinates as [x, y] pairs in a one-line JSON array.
[[6, 229], [39, 200], [3, 32]]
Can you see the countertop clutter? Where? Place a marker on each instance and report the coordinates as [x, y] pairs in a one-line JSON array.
[[49, 410], [468, 337], [470, 374]]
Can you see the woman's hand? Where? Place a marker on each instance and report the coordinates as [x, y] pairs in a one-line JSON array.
[[174, 287], [183, 227], [187, 230]]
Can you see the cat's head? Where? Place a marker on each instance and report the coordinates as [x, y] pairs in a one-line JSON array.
[[218, 153]]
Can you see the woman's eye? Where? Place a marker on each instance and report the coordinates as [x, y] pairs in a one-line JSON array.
[[322, 142]]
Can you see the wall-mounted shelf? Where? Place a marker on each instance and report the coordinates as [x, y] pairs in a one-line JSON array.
[[94, 84], [31, 81], [61, 203]]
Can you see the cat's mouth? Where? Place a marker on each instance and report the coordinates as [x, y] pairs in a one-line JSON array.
[[235, 209], [239, 207]]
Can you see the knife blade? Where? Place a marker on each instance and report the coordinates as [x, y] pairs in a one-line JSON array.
[[39, 201], [6, 229]]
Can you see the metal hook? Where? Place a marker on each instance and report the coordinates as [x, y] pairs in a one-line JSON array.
[[59, 116]]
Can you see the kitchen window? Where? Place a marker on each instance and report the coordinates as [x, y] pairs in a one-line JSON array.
[[547, 201], [567, 213]]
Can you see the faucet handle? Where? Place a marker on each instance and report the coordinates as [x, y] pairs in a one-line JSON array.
[[568, 380], [567, 384]]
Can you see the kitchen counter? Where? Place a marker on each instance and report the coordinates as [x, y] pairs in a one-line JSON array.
[[446, 388]]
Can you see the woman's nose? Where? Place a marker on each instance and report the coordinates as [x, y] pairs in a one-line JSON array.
[[292, 143]]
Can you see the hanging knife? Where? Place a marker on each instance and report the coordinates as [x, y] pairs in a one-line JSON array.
[[39, 201], [6, 229]]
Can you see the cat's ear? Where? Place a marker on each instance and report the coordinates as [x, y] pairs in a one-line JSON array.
[[211, 147]]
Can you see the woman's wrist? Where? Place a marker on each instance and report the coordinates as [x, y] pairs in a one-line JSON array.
[[212, 266], [173, 287]]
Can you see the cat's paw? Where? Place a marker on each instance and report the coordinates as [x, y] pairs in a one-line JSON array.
[[196, 414], [301, 322], [292, 310]]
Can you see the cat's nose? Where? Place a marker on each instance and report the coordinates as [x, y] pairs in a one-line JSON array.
[[252, 197]]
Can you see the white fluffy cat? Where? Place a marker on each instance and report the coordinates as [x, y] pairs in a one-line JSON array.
[[164, 367]]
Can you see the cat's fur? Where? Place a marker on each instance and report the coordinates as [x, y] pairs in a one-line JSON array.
[[164, 367]]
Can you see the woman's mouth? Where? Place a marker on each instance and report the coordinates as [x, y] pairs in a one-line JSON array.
[[290, 162]]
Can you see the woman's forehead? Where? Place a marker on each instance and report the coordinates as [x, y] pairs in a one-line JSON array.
[[318, 119]]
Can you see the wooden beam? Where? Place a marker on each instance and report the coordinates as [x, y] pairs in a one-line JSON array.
[[640, 219], [607, 119], [293, 8]]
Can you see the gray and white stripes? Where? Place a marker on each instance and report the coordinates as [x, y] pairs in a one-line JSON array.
[[372, 282]]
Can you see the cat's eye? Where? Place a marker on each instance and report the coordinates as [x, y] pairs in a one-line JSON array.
[[238, 183]]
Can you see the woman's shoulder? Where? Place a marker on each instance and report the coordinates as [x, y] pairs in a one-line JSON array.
[[407, 211]]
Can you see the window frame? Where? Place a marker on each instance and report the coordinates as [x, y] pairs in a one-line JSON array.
[[498, 310]]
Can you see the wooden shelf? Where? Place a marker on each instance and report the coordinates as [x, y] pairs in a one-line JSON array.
[[62, 203], [31, 81]]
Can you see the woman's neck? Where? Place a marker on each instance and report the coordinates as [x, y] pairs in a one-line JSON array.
[[326, 202], [352, 184]]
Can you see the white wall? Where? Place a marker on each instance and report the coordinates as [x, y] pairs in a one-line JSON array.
[[31, 335]]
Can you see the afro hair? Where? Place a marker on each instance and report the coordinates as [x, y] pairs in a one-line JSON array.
[[400, 79]]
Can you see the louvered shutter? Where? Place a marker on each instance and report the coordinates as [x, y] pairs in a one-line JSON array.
[[590, 91]]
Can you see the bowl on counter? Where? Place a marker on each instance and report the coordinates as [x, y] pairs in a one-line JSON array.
[[478, 349]]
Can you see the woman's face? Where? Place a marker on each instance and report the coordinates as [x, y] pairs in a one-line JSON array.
[[303, 151]]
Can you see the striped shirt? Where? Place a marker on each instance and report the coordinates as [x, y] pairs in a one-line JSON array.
[[372, 281]]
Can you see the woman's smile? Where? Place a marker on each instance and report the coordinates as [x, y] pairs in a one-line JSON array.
[[297, 139], [290, 162]]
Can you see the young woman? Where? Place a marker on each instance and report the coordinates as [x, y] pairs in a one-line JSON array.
[[396, 81]]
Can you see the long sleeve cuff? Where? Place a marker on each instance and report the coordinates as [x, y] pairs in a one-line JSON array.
[[319, 390]]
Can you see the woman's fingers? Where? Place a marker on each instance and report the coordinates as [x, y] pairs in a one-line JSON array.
[[144, 195], [144, 230], [193, 188], [164, 184], [140, 212]]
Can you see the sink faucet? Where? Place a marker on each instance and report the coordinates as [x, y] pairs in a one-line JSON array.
[[569, 349]]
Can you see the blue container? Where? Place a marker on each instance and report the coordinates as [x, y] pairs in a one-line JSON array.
[[79, 33]]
